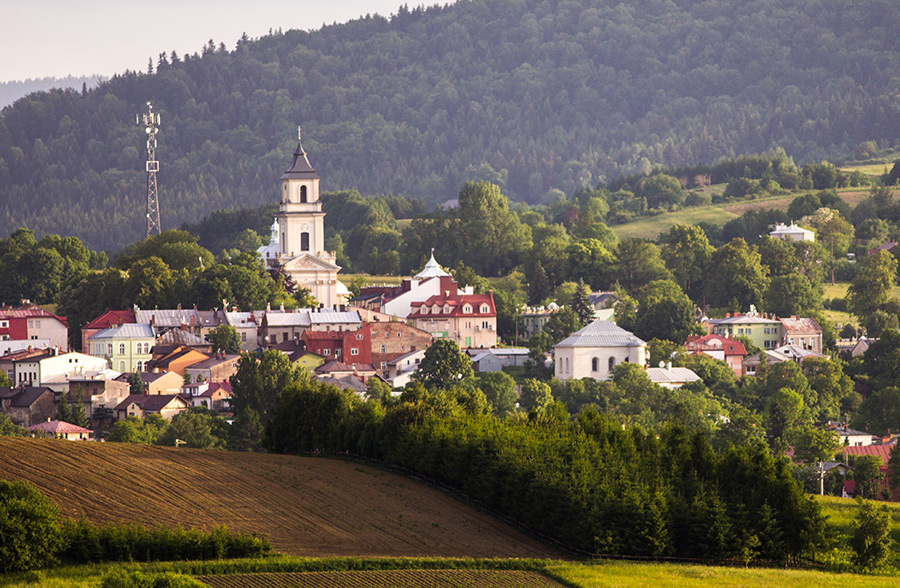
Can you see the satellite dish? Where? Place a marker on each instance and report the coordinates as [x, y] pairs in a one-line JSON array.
[[662, 364]]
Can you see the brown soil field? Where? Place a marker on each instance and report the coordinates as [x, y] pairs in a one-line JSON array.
[[385, 579], [306, 506]]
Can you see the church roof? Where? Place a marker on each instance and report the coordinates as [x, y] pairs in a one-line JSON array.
[[601, 334], [432, 269], [300, 168]]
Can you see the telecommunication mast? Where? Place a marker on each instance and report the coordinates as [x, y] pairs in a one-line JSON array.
[[150, 121]]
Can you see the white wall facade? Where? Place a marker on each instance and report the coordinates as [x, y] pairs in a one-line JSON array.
[[579, 362]]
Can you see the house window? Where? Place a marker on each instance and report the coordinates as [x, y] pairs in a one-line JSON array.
[[109, 349], [121, 349], [284, 336], [4, 324], [485, 325], [399, 334], [243, 337], [122, 366], [326, 352], [359, 337], [384, 348], [140, 366], [304, 241], [595, 364], [611, 363], [354, 351]]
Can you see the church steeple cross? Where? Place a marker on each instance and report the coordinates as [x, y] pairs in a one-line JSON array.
[[298, 132]]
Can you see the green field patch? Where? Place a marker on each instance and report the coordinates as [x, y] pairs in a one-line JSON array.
[[842, 511], [641, 575], [652, 226]]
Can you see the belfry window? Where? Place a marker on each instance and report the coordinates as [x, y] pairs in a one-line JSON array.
[[302, 193], [304, 241]]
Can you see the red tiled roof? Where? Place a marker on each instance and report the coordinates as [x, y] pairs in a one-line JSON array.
[[29, 311], [111, 318], [729, 346], [881, 451], [333, 335], [456, 302], [801, 325], [58, 428]]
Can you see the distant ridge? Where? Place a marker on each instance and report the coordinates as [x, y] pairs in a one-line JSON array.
[[13, 90]]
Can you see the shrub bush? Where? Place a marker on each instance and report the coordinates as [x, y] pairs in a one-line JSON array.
[[129, 542], [30, 534]]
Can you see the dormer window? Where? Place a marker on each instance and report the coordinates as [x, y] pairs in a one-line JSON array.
[[485, 309], [467, 309], [447, 309]]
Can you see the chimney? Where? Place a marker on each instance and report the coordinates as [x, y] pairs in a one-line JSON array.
[[178, 307], [669, 366], [193, 321]]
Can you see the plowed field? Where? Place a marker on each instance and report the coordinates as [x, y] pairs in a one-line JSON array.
[[306, 506], [384, 579]]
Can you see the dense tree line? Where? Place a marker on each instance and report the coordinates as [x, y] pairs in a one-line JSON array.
[[533, 96], [587, 482]]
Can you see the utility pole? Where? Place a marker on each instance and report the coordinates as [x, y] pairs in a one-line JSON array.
[[150, 122]]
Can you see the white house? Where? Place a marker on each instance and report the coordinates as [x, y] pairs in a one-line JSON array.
[[51, 366], [671, 377], [595, 350], [792, 233]]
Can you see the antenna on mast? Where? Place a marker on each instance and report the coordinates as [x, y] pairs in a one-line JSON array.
[[150, 122]]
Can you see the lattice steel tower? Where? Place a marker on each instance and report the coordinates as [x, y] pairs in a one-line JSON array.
[[150, 121]]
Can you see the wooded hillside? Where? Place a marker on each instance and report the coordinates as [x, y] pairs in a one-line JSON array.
[[533, 95]]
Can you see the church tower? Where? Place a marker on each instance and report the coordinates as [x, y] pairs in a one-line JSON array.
[[300, 246], [300, 213]]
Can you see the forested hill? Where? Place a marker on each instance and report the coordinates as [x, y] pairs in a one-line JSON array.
[[531, 94]]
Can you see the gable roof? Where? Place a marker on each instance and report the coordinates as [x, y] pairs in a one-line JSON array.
[[181, 337], [601, 334], [168, 317], [714, 342], [24, 397], [126, 331], [743, 319], [671, 375], [213, 361], [151, 402], [29, 311], [457, 304], [882, 452], [59, 428], [800, 326], [111, 318]]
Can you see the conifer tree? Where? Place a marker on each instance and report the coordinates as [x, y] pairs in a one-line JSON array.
[[581, 304]]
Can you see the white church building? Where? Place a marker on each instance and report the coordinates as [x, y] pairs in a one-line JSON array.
[[298, 234]]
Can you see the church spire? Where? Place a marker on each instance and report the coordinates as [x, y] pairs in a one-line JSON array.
[[300, 167]]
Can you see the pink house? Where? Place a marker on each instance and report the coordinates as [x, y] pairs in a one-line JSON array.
[[719, 347]]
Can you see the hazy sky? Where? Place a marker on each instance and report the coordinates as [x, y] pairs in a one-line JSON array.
[[40, 38]]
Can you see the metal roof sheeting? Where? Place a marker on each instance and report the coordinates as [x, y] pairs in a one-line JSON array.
[[601, 334]]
